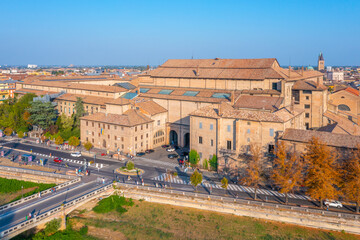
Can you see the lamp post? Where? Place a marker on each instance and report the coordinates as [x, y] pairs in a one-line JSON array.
[[22, 193]]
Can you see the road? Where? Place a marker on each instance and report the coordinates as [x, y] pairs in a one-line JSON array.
[[157, 174], [13, 216]]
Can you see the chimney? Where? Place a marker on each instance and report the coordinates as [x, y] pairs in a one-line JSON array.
[[289, 70]]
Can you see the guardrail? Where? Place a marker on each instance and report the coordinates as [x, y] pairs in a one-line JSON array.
[[246, 202], [36, 172], [36, 195], [53, 211]]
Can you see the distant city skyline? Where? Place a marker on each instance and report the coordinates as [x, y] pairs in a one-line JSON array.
[[150, 32]]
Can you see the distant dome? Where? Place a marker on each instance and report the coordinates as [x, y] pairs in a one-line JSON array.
[[310, 68]]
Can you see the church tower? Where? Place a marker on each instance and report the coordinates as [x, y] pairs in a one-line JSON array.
[[321, 62]]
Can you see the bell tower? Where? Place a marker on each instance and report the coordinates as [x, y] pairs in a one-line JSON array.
[[321, 62]]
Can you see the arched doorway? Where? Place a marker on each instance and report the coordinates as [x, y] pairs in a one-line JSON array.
[[187, 140], [173, 137]]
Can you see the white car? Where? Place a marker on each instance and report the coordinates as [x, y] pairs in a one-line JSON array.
[[76, 154], [331, 203], [170, 149]]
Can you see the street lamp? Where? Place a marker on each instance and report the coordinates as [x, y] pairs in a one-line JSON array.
[[22, 194]]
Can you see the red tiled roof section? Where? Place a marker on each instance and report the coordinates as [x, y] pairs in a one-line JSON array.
[[37, 92], [129, 118], [118, 101], [258, 102], [308, 85], [86, 98], [352, 90], [150, 107], [345, 124], [330, 139]]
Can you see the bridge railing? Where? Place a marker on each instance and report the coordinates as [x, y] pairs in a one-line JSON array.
[[36, 172], [246, 202], [36, 195], [32, 222]]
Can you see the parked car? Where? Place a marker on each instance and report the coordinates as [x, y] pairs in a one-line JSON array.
[[332, 203], [103, 154], [170, 149], [165, 146], [58, 160], [172, 156], [139, 154], [149, 151], [176, 147], [76, 154]]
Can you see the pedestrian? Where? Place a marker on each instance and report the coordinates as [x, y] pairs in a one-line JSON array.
[[327, 207], [39, 194], [142, 182], [29, 215], [103, 180], [210, 189], [26, 217]]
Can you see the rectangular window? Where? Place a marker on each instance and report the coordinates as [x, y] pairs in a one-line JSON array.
[[211, 126], [307, 115], [248, 131], [200, 125], [135, 129], [115, 137], [274, 86], [212, 142], [228, 128], [92, 124], [306, 91], [307, 97], [147, 126], [307, 125], [307, 106], [200, 155], [200, 140], [141, 127], [271, 132], [115, 127], [122, 139], [135, 138], [228, 145], [109, 127], [92, 140], [87, 123], [158, 122]]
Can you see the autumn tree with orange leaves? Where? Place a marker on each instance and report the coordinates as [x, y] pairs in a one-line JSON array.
[[351, 178], [253, 173], [322, 176], [287, 171]]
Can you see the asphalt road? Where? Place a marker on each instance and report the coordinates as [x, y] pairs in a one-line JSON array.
[[152, 172]]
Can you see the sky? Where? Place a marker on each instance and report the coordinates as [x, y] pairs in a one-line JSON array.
[[115, 32]]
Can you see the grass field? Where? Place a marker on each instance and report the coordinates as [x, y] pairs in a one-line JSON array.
[[10, 189], [146, 220]]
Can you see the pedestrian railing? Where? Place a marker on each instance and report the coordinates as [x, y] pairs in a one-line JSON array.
[[36, 195], [306, 210], [36, 172], [62, 207]]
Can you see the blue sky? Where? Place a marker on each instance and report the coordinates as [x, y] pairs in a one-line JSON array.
[[118, 32]]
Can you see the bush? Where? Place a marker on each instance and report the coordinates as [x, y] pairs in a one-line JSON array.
[[130, 165], [59, 140], [194, 158], [206, 164], [84, 230], [8, 131], [74, 141], [20, 134], [213, 163], [113, 203], [88, 145]]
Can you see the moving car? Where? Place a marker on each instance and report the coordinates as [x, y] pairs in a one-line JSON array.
[[170, 149], [58, 160], [331, 203], [139, 154], [76, 154], [172, 156], [149, 151], [165, 146]]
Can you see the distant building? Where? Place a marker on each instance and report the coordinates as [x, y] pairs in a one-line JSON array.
[[32, 66], [328, 68], [321, 62], [337, 76]]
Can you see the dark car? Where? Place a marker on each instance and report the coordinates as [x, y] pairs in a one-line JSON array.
[[185, 153], [172, 156], [165, 146], [139, 154], [149, 151], [176, 147]]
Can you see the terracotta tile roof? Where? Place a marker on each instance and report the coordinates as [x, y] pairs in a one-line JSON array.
[[80, 86], [298, 74], [308, 85], [118, 101], [226, 111], [220, 63], [37, 92], [353, 91], [258, 102], [86, 98], [150, 107], [129, 118], [343, 123], [330, 139]]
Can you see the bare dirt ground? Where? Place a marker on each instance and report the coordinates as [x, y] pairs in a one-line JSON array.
[[7, 197]]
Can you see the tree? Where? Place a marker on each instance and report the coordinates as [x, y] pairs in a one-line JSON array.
[[130, 165], [59, 140], [350, 185], [20, 134], [42, 114], [253, 174], [206, 164], [88, 145], [196, 179], [224, 183], [8, 131], [66, 122], [74, 141], [321, 177], [79, 111], [213, 162], [286, 171], [193, 158]]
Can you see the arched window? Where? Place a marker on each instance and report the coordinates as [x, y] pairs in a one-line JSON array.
[[344, 107]]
